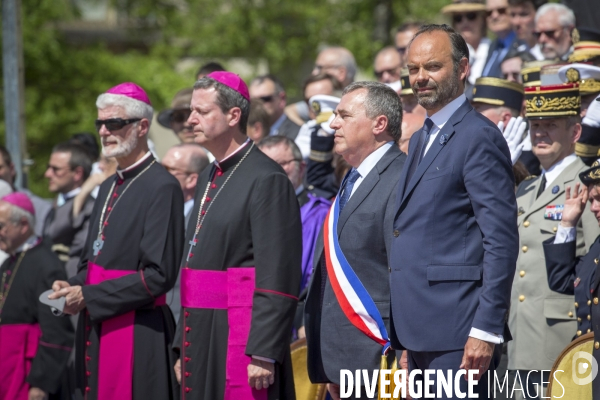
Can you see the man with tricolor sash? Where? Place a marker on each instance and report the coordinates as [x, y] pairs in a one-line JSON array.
[[129, 262], [240, 275], [347, 308]]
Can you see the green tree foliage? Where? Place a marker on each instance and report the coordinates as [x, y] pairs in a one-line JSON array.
[[62, 81]]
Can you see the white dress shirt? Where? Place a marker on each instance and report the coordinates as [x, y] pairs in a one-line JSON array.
[[440, 119], [369, 163], [276, 125], [478, 59], [188, 206]]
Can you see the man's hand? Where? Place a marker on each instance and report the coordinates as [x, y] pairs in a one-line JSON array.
[[334, 391], [73, 296], [514, 136], [403, 364], [574, 205], [37, 394], [261, 374], [301, 332], [478, 354], [177, 369], [592, 115]]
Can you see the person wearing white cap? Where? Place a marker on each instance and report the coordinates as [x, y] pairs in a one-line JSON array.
[[130, 260]]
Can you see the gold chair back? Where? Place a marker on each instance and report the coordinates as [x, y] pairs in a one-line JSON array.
[[305, 390], [562, 386]]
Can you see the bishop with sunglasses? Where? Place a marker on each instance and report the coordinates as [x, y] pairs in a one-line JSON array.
[[129, 262]]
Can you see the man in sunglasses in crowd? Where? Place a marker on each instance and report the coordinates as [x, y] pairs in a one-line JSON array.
[[130, 260], [522, 19], [553, 26], [270, 91], [404, 35], [498, 22], [175, 118], [387, 67]]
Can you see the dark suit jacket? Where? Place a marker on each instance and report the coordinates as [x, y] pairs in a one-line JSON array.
[[454, 239], [495, 71], [333, 342], [288, 129]]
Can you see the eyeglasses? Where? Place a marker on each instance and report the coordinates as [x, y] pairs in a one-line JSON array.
[[284, 163], [54, 169], [114, 124], [401, 50], [180, 116], [266, 99], [549, 34], [391, 71], [457, 18], [500, 11]]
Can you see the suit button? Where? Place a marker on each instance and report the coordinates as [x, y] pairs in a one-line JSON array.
[[524, 248], [596, 261], [526, 224], [589, 317], [595, 300], [578, 333], [589, 330], [578, 319], [555, 229], [396, 233], [596, 345], [521, 298], [576, 305], [589, 303], [522, 274], [570, 314]]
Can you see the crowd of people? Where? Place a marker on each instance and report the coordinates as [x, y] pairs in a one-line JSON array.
[[445, 216]]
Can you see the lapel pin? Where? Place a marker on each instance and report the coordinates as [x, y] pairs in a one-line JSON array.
[[443, 140], [555, 189]]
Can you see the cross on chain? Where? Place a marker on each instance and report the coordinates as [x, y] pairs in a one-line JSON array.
[[98, 244], [192, 243]]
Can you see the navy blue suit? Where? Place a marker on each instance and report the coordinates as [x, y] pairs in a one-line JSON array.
[[455, 240]]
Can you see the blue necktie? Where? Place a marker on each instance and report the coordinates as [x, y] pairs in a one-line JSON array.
[[420, 148], [348, 186]]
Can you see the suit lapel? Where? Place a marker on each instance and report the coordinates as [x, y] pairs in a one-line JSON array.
[[435, 148], [367, 186], [409, 159]]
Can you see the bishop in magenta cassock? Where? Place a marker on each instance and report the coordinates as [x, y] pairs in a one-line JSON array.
[[241, 269], [131, 259]]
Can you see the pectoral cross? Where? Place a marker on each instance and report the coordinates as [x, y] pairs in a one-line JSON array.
[[98, 244], [192, 244]]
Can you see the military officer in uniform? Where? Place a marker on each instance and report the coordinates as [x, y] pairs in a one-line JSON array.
[[568, 273], [542, 321]]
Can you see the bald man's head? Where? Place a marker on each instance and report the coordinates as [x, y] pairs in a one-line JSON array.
[[387, 65], [337, 62], [185, 162]]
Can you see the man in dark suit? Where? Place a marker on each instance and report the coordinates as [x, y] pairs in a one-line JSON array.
[[367, 129], [454, 236]]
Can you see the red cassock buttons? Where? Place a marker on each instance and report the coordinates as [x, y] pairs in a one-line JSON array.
[[187, 389], [188, 373], [219, 173], [187, 329], [213, 186], [187, 344], [88, 343], [208, 199], [187, 359], [187, 314], [88, 358], [87, 389], [88, 373], [120, 181]]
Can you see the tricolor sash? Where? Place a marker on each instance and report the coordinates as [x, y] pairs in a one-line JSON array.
[[354, 300], [115, 364]]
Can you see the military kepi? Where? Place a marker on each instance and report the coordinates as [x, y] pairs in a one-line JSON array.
[[554, 101], [591, 176], [498, 92], [406, 88]]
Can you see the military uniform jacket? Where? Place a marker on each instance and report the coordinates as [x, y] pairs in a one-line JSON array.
[[542, 321]]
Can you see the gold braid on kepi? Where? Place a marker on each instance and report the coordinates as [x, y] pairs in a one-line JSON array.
[[591, 176], [553, 101], [586, 75], [530, 72], [405, 82], [586, 44], [498, 92]]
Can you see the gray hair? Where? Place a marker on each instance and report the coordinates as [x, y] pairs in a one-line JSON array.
[[227, 98], [272, 141], [346, 60], [381, 100], [17, 214], [269, 77], [566, 17], [133, 108]]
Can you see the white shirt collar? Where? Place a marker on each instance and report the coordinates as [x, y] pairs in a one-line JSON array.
[[234, 153], [62, 198], [135, 164], [29, 243], [369, 163], [555, 170], [441, 117], [275, 127], [188, 206]]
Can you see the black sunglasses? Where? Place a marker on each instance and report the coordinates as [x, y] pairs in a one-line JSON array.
[[457, 18], [180, 116], [266, 99], [114, 124], [392, 71], [549, 34]]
